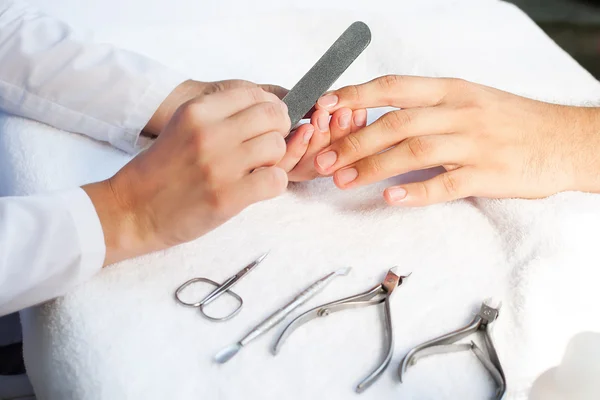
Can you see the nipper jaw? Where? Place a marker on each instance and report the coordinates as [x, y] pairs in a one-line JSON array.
[[482, 323]]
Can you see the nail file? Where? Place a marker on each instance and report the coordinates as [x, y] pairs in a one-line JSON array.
[[327, 70]]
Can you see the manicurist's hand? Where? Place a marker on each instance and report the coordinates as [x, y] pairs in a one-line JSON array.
[[216, 156], [492, 143], [192, 89], [302, 145]]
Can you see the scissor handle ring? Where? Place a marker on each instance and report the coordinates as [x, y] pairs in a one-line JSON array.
[[201, 306], [228, 316]]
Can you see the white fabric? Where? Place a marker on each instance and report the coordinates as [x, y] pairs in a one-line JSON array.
[[48, 245], [122, 336], [51, 73], [47, 73]]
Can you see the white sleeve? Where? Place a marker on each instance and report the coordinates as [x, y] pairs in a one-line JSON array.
[[49, 74], [48, 244]]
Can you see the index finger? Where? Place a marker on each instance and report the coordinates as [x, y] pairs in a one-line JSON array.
[[389, 130], [281, 92], [390, 90], [226, 103], [275, 89]]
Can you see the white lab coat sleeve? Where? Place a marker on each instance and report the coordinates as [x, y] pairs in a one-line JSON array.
[[49, 74], [48, 245]]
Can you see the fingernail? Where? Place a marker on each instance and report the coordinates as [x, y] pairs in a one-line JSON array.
[[346, 175], [323, 123], [397, 193], [327, 101], [344, 121], [360, 118], [307, 135], [326, 160]]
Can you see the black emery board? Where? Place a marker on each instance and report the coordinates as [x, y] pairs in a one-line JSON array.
[[303, 96]]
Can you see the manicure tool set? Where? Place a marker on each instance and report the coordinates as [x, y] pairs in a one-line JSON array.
[[379, 294], [300, 101]]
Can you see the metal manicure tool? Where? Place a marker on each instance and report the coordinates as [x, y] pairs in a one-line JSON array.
[[221, 289], [228, 352], [482, 322], [377, 295], [303, 96]]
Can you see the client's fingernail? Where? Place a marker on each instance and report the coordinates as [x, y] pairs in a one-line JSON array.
[[327, 101], [307, 135], [326, 160], [323, 123], [360, 117], [397, 193], [346, 175], [344, 120], [284, 106]]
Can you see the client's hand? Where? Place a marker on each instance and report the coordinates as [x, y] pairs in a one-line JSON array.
[[321, 132], [216, 156], [492, 143]]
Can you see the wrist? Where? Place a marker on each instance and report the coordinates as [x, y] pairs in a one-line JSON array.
[[586, 168], [124, 236]]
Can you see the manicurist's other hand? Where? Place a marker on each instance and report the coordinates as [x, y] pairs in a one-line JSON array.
[[303, 143], [216, 155], [190, 90], [491, 143]]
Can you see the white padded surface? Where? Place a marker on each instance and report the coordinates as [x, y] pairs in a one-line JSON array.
[[122, 336]]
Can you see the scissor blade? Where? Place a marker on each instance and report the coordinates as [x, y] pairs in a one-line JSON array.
[[225, 286], [259, 259], [252, 265]]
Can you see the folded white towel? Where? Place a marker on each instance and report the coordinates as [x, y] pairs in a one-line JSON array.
[[122, 336]]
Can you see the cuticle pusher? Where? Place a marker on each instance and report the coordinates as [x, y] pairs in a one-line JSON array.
[[228, 352]]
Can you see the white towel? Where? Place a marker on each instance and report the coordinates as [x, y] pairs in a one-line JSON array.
[[122, 336]]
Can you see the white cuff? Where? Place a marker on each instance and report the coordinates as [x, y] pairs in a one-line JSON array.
[[89, 232], [49, 244], [130, 140]]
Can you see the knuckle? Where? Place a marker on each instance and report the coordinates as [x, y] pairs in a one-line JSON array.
[[218, 204], [457, 83], [298, 151], [373, 166], [210, 175], [279, 146], [274, 181], [465, 92], [418, 148], [192, 112], [296, 146], [213, 87], [425, 190], [351, 93], [272, 97], [255, 94], [271, 110], [351, 144], [473, 108], [456, 89], [450, 183], [389, 82], [201, 141], [395, 121]]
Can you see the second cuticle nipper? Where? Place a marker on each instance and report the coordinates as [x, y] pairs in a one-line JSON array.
[[483, 323]]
